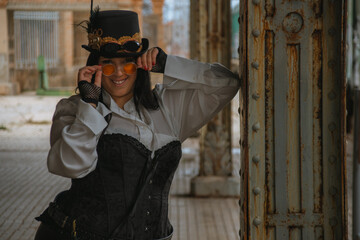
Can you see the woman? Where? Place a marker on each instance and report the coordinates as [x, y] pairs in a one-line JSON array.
[[119, 141]]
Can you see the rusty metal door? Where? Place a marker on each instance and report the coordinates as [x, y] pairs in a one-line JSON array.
[[292, 119]]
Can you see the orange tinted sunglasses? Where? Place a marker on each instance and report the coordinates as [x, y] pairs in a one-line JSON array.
[[128, 68]]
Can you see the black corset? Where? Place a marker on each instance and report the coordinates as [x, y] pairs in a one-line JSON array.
[[103, 199]]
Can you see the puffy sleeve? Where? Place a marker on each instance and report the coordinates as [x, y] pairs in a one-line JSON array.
[[75, 131], [192, 93]]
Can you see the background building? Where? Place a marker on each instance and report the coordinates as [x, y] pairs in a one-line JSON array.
[[51, 29]]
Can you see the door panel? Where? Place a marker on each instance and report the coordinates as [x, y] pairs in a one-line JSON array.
[[292, 118]]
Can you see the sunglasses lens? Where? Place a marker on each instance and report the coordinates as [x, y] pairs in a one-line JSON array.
[[130, 68], [131, 46], [108, 69]]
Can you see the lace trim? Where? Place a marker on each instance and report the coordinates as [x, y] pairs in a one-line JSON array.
[[140, 145], [164, 148], [96, 41]]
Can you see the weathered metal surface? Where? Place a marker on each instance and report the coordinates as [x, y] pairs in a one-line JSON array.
[[292, 167], [344, 198], [356, 168], [256, 124], [335, 226], [243, 109], [269, 122], [317, 121], [353, 77]]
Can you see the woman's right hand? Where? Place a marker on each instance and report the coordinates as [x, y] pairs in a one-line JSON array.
[[86, 73], [90, 92]]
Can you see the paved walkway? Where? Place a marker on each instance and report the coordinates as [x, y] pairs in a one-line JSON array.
[[26, 187]]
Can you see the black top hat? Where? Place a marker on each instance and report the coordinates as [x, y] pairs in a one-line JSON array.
[[115, 33]]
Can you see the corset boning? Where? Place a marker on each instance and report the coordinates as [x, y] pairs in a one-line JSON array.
[[102, 199]]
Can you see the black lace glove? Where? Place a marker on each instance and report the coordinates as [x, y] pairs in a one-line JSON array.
[[159, 67], [89, 92]]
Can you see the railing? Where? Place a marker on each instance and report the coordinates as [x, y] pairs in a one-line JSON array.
[[35, 34]]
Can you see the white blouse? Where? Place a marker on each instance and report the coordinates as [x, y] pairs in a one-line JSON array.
[[191, 94]]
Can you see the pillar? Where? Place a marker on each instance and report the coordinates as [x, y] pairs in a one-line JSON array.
[[353, 80], [6, 87], [292, 111], [211, 38], [137, 7], [158, 11], [68, 38]]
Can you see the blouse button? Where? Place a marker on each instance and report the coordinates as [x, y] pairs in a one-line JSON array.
[[147, 213], [149, 197], [150, 182], [146, 229]]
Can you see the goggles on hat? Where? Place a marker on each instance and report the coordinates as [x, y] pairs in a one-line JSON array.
[[129, 46], [128, 68]]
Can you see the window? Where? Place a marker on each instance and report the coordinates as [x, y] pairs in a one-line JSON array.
[[35, 34]]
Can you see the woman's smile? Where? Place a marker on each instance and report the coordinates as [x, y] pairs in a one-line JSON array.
[[119, 82]]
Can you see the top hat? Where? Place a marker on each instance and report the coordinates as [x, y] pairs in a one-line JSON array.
[[115, 33]]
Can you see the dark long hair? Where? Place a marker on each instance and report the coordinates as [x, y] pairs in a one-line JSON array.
[[143, 95]]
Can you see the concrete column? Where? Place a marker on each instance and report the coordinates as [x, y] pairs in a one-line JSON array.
[[68, 38], [158, 11], [213, 44], [6, 87]]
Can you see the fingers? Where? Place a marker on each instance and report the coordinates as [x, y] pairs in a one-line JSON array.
[[98, 76], [143, 60], [148, 59], [139, 62], [87, 72], [154, 53]]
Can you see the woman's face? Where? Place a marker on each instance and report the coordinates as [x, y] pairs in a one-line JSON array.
[[119, 85]]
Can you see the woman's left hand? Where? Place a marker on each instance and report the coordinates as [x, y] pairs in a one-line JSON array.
[[148, 59]]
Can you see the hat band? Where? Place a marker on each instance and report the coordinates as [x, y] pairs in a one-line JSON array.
[[96, 41]]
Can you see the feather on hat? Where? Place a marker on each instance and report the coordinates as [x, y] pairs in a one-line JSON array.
[[114, 33]]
